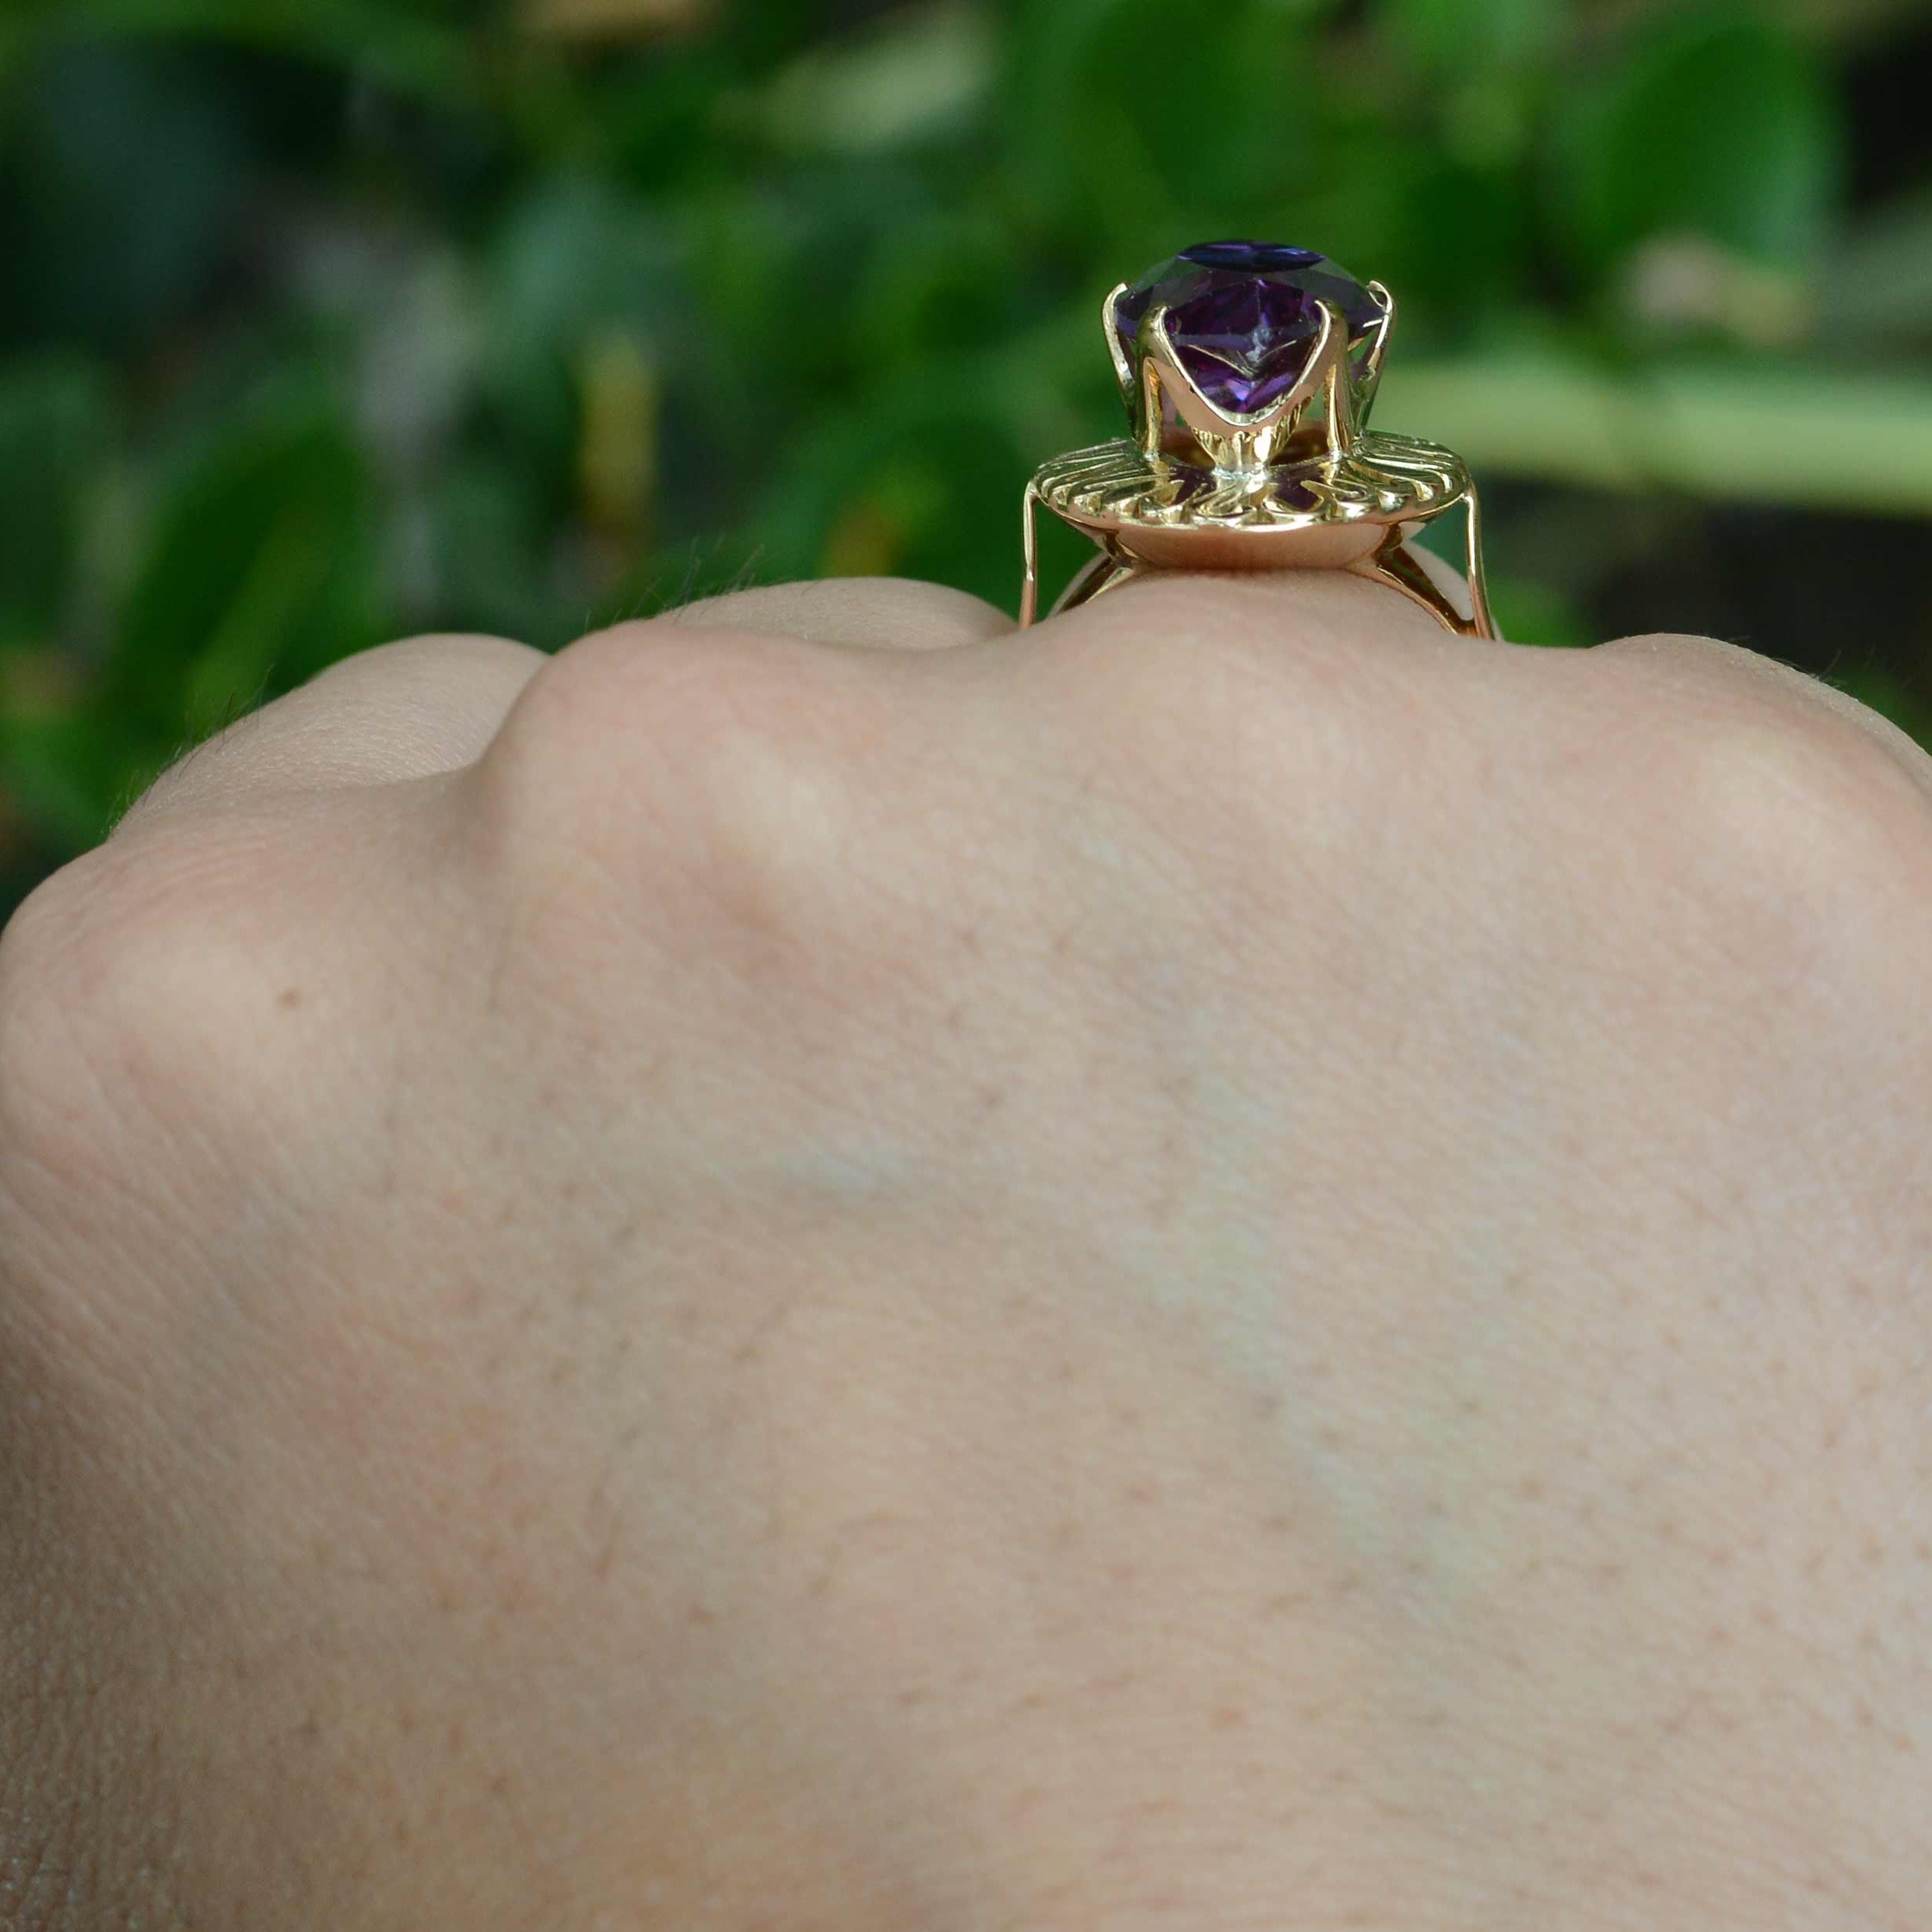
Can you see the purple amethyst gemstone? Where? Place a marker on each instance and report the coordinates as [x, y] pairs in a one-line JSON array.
[[1241, 315]]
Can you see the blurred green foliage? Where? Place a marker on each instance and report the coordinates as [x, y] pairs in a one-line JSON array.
[[323, 322]]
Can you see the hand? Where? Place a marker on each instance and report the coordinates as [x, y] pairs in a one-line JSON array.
[[1233, 1264]]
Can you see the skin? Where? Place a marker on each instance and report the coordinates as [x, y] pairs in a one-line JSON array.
[[1234, 1266]]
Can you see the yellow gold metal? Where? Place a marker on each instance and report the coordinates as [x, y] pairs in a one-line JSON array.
[[1153, 412], [1123, 368], [1300, 484], [1029, 539], [1371, 376]]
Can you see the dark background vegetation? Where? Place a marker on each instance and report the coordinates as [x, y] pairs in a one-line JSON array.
[[323, 322]]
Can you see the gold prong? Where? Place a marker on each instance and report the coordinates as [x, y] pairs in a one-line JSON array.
[[1150, 423], [1330, 368], [1158, 352], [1378, 349], [1482, 623], [1110, 327], [1030, 541]]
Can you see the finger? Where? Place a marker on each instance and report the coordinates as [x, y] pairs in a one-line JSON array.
[[1313, 588], [398, 711], [1705, 673], [864, 613], [1306, 609]]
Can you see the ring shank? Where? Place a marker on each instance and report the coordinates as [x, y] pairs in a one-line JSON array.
[[1457, 602]]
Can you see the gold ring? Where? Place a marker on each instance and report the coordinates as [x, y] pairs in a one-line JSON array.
[[1248, 368]]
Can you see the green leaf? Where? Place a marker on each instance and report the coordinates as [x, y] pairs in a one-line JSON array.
[[128, 167], [1717, 125], [921, 72], [70, 773], [406, 48], [260, 569], [925, 482], [574, 254], [287, 573], [1529, 613], [54, 436], [1459, 35], [487, 525], [1139, 130], [1879, 689]]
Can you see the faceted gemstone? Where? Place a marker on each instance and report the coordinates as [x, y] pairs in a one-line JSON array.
[[1241, 315]]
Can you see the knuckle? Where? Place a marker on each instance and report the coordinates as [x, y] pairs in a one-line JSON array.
[[31, 942], [1258, 758], [1786, 778], [433, 651], [1796, 822], [1808, 800], [39, 949], [711, 771], [674, 835], [136, 990], [45, 1081]]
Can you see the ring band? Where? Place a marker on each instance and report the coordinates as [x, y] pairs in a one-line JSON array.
[[1248, 368]]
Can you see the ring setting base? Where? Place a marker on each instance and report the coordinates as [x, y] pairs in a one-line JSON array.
[[1356, 511]]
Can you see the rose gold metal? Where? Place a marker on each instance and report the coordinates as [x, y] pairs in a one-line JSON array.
[[1393, 563]]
